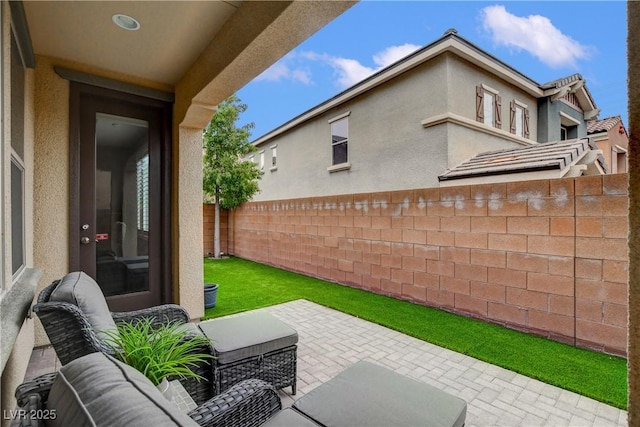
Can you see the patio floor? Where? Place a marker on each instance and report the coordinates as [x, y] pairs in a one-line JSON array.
[[330, 341]]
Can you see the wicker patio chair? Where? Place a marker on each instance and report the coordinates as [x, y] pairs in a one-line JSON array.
[[72, 334], [247, 404]]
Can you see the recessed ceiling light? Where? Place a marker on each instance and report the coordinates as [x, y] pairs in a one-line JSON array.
[[125, 21]]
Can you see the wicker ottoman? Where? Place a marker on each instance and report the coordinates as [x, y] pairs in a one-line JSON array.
[[254, 345]]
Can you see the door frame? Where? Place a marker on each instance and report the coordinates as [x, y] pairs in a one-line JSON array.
[[78, 91]]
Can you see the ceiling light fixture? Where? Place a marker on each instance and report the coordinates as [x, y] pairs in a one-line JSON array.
[[126, 22]]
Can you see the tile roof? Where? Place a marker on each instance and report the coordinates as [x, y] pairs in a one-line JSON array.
[[596, 126], [555, 155], [561, 82]]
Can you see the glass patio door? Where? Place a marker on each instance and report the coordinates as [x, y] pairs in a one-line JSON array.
[[122, 202]]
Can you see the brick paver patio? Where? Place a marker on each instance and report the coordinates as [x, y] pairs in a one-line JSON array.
[[330, 341]]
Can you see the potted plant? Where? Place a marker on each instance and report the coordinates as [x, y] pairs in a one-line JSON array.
[[210, 294], [168, 350]]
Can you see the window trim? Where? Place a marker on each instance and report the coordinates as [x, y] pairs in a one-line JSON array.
[[337, 167], [274, 158], [481, 90], [261, 152], [526, 125]]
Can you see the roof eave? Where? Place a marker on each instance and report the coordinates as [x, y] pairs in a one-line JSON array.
[[450, 42]]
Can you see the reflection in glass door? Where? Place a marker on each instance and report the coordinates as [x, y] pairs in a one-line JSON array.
[[122, 204]]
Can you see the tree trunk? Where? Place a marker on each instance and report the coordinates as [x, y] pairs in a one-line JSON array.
[[216, 226]]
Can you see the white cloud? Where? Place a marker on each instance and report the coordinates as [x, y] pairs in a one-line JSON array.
[[534, 34], [285, 70], [350, 71], [393, 53]]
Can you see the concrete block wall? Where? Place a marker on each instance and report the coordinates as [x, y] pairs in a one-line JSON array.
[[547, 257]]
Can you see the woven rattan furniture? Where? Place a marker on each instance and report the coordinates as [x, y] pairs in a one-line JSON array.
[[98, 390], [73, 319], [252, 345]]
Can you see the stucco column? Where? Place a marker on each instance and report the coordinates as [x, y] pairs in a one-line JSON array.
[[633, 352], [187, 220]]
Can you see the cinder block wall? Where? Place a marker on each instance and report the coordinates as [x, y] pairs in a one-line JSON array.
[[209, 215], [547, 257]]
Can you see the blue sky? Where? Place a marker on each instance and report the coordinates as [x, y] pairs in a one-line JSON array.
[[545, 40]]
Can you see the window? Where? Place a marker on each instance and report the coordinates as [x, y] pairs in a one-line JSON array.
[[274, 158], [17, 176], [568, 127], [519, 119], [488, 105], [262, 160], [142, 192], [17, 217], [339, 141]]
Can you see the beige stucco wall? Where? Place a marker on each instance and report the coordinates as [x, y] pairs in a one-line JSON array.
[[188, 275], [402, 134], [51, 253], [463, 77], [16, 366], [606, 141]]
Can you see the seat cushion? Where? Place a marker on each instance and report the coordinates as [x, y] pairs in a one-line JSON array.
[[81, 290], [289, 418], [240, 337], [370, 395], [98, 390]]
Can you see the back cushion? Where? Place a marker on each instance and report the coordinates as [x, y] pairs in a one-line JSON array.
[[81, 290], [98, 390]]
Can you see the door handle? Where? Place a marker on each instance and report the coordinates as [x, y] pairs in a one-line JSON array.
[[85, 240]]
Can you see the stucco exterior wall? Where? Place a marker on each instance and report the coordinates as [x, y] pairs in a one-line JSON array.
[[188, 276], [606, 142], [388, 148], [51, 223], [402, 134], [548, 256], [14, 370], [549, 122], [463, 77]]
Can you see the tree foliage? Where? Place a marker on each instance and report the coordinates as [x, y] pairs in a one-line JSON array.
[[227, 177]]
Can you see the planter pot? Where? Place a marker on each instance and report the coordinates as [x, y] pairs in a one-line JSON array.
[[210, 294]]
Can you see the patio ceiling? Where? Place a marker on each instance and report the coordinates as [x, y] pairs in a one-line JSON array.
[[172, 34]]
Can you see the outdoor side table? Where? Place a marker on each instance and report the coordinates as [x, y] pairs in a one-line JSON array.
[[253, 345], [367, 394]]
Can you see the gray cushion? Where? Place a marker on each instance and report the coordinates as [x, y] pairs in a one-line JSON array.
[[289, 418], [97, 390], [370, 395], [81, 290], [248, 335]]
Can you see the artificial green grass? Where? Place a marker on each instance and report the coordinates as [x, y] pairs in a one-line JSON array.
[[246, 285]]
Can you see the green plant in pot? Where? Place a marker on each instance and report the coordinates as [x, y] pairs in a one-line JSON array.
[[167, 350]]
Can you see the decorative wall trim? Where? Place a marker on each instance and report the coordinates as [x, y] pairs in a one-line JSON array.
[[106, 83], [476, 126], [21, 33], [15, 307]]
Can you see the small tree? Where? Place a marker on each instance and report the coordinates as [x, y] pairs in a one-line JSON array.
[[228, 179]]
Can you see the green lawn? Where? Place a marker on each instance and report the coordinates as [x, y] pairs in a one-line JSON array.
[[246, 285]]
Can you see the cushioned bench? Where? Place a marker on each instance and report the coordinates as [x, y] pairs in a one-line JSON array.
[[369, 395], [98, 390], [253, 345]]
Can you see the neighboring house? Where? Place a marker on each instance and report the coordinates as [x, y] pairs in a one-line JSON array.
[[102, 143], [407, 124], [611, 137]]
